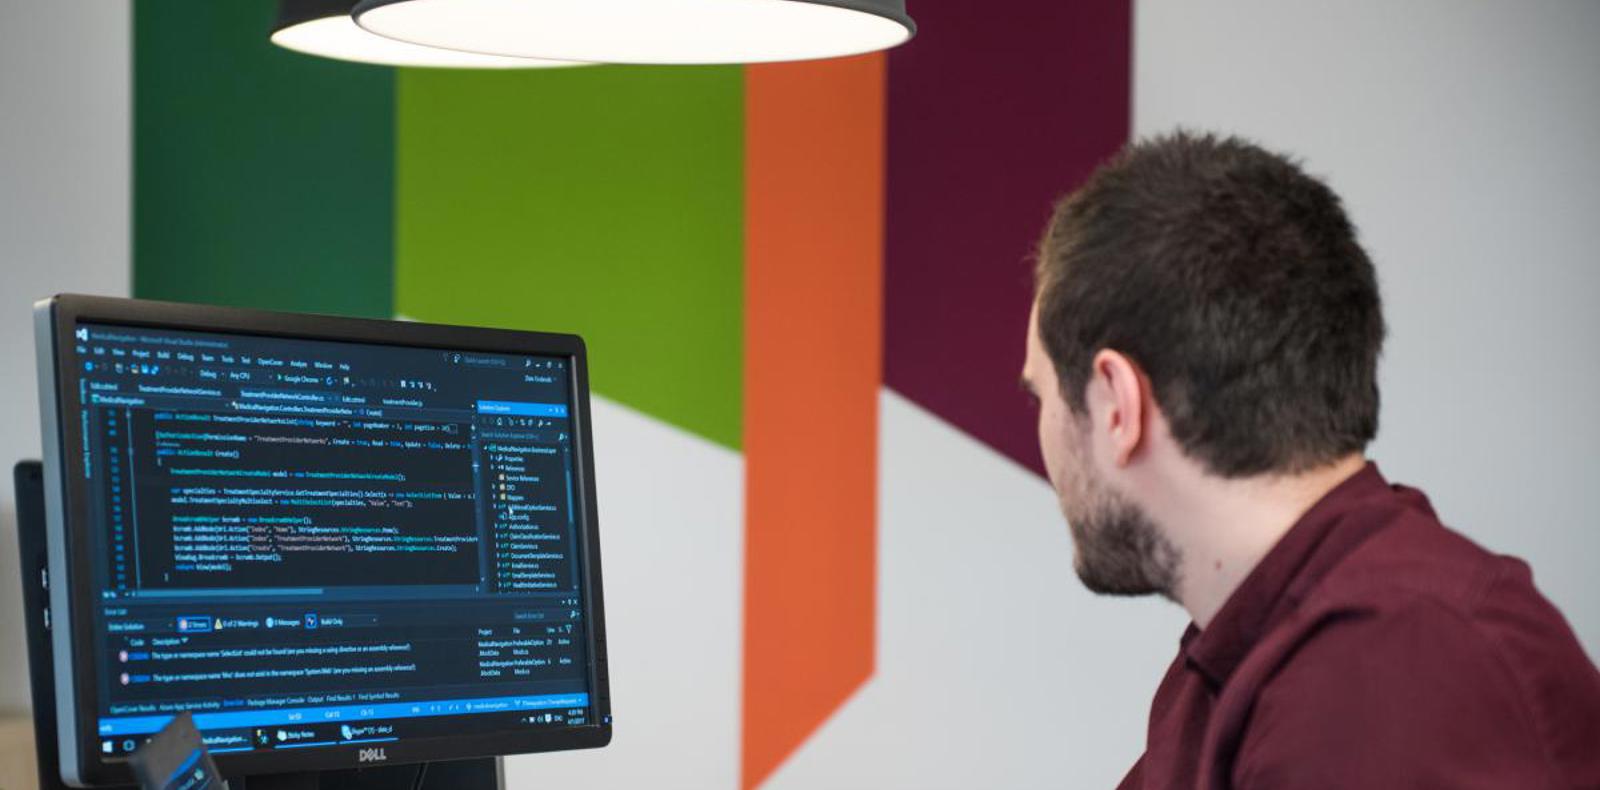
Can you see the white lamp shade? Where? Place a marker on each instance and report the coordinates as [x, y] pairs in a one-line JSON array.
[[644, 31]]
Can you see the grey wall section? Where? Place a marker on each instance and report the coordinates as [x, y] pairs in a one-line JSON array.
[[64, 192], [1465, 139]]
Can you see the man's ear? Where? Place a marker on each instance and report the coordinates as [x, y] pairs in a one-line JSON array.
[[1125, 390]]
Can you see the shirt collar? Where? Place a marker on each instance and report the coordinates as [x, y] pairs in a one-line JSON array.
[[1307, 551]]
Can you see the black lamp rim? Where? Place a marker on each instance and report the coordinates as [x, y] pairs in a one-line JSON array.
[[299, 12], [893, 10]]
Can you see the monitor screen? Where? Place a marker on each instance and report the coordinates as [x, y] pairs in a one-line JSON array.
[[318, 544]]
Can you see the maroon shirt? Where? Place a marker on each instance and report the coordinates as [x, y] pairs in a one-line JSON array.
[[1374, 648]]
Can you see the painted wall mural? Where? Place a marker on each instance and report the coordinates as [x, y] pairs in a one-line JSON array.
[[760, 258]]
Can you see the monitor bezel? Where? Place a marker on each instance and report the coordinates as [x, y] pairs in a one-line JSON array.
[[77, 692]]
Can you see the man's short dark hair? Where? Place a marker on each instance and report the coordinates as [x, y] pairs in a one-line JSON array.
[[1235, 281]]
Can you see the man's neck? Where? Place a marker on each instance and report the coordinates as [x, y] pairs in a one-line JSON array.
[[1224, 528]]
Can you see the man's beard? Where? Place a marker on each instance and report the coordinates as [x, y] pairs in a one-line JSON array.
[[1120, 551]]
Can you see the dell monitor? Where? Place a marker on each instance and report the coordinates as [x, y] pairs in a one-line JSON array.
[[335, 542]]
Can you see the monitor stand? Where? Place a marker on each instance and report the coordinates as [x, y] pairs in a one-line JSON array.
[[479, 774], [482, 773]]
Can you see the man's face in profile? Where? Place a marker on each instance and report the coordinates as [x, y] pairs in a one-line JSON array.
[[1118, 549]]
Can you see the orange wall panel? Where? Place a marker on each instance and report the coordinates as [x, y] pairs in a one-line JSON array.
[[813, 365]]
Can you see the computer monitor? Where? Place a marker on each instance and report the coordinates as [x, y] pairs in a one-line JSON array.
[[336, 542]]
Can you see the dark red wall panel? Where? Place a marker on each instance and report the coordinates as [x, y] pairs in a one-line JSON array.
[[995, 109]]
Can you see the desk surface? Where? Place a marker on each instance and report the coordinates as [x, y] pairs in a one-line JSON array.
[[17, 769]]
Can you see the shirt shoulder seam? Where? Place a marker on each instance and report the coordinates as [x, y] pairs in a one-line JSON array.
[[1498, 650]]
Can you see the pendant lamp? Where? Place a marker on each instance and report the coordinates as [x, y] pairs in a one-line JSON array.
[[644, 31], [325, 28]]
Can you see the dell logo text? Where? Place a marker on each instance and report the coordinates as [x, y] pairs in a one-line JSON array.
[[371, 755]]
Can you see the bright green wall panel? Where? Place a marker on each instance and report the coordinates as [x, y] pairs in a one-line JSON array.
[[262, 177], [606, 201]]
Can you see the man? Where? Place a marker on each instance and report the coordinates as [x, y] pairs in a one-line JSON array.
[[1204, 346]]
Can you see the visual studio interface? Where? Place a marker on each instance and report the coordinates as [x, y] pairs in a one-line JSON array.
[[310, 543]]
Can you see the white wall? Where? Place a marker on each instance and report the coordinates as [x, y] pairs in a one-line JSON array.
[[64, 214], [1465, 140]]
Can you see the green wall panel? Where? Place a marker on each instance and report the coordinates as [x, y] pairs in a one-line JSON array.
[[262, 177], [606, 201]]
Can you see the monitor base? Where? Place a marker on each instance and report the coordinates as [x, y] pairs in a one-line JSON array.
[[478, 774]]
